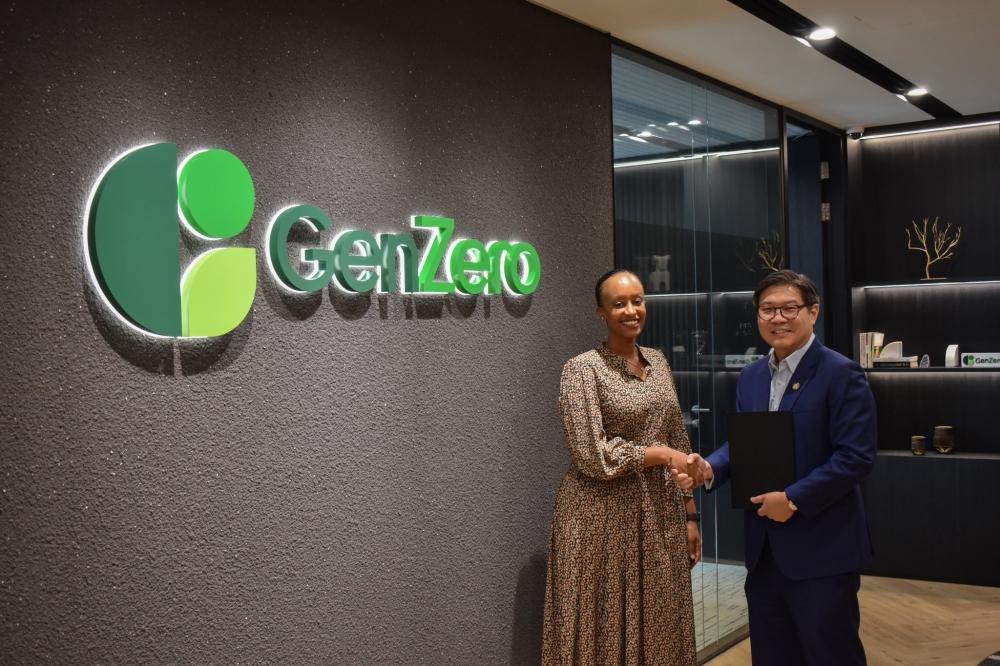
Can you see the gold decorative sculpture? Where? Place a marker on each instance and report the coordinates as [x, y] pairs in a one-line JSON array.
[[943, 245], [769, 252]]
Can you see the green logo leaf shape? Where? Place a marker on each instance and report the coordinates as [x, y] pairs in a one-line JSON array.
[[215, 193], [133, 239], [217, 291]]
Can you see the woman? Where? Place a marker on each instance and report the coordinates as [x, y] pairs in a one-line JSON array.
[[621, 547]]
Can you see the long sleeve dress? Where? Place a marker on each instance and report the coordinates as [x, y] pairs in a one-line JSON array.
[[619, 583]]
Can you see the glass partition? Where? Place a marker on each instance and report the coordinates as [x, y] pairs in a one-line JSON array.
[[697, 174]]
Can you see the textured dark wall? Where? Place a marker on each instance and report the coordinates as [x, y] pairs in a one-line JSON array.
[[340, 481]]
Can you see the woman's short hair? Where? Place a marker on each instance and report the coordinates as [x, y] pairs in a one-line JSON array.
[[607, 276], [786, 278]]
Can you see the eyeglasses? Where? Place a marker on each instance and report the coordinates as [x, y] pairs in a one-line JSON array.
[[767, 313]]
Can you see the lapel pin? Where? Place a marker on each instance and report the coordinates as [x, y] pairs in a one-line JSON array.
[[795, 386]]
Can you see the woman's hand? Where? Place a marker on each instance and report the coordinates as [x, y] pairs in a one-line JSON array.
[[686, 471], [694, 543], [689, 479]]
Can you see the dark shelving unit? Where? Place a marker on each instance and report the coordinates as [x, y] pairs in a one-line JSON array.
[[932, 517]]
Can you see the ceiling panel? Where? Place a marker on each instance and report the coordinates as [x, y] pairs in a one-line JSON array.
[[945, 45]]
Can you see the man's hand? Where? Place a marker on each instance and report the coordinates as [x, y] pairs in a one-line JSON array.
[[686, 473], [694, 543], [774, 506], [698, 470]]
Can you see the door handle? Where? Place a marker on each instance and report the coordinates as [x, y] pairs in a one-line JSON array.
[[695, 409]]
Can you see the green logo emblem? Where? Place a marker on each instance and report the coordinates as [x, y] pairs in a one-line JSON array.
[[969, 359], [133, 241]]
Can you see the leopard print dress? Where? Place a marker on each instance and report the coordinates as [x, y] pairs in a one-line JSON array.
[[619, 583]]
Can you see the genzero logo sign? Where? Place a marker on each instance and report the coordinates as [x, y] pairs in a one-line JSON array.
[[133, 241]]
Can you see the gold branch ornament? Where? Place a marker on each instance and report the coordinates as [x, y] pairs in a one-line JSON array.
[[770, 252], [943, 245]]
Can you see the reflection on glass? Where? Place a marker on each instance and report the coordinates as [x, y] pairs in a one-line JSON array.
[[698, 218]]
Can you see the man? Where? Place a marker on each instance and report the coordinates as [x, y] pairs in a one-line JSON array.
[[806, 544]]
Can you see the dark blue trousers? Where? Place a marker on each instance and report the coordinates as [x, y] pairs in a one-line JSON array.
[[803, 622]]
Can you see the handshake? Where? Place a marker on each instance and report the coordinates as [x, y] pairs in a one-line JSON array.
[[691, 472]]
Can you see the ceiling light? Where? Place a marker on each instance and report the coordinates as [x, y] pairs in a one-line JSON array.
[[822, 34], [635, 138], [803, 40], [686, 129], [645, 134], [694, 122], [932, 129], [903, 97], [672, 124], [651, 125], [623, 135], [916, 92]]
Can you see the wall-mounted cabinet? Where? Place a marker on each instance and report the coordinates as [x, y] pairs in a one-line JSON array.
[[927, 318], [931, 517]]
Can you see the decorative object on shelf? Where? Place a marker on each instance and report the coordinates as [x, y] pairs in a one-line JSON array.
[[980, 360], [868, 347], [700, 339], [951, 357], [944, 439], [769, 251], [925, 361], [660, 275], [918, 444], [892, 351], [745, 329], [679, 347], [943, 245], [901, 362], [742, 360]]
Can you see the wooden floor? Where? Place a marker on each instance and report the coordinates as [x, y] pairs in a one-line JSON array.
[[918, 624]]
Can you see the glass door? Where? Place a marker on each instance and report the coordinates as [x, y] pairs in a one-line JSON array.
[[698, 219]]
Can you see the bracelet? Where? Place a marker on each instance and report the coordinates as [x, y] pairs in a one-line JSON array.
[[694, 517]]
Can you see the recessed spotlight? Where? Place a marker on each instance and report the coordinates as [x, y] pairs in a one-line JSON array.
[[651, 125], [672, 124], [916, 92], [635, 138], [623, 134], [694, 122], [903, 97], [822, 34], [644, 134], [803, 40]]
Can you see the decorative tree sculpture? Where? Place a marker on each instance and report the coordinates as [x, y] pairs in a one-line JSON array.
[[943, 245], [768, 251]]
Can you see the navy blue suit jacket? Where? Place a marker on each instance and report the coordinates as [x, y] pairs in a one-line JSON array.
[[833, 413]]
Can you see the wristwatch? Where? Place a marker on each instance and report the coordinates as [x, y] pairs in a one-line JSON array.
[[694, 517]]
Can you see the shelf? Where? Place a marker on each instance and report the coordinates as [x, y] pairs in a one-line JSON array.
[[939, 456], [924, 283], [933, 369], [658, 297]]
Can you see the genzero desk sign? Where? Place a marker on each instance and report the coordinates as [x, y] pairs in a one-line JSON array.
[[132, 245]]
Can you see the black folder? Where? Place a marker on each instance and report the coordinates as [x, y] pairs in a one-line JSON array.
[[761, 455]]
